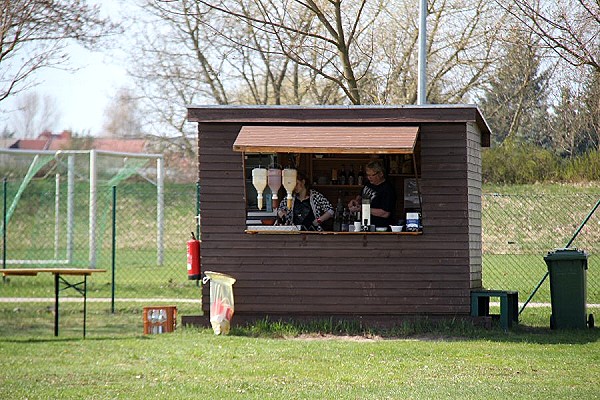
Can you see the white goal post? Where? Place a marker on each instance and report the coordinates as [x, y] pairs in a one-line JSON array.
[[92, 154]]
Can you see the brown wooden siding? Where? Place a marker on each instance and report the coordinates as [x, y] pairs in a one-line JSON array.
[[388, 272], [474, 185], [311, 274]]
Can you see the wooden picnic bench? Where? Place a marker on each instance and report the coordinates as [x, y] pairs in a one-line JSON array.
[[58, 273]]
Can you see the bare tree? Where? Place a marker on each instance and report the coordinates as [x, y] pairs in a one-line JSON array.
[[122, 116], [569, 27], [303, 52], [192, 61], [368, 48], [35, 114], [515, 99], [591, 103], [34, 34], [575, 123]]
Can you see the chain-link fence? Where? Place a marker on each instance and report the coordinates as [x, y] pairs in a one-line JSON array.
[[142, 262], [105, 210], [519, 229]]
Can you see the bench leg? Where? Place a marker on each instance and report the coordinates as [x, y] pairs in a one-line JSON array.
[[505, 321], [480, 306], [513, 306]]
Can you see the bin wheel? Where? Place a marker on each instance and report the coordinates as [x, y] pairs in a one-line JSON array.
[[591, 321], [552, 322]]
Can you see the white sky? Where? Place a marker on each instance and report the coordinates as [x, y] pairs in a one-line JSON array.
[[82, 96]]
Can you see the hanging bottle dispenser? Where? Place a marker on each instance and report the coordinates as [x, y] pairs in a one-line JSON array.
[[274, 184], [259, 180], [289, 183]]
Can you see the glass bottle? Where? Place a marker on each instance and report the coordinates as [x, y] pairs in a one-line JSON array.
[[351, 177], [361, 177], [339, 211]]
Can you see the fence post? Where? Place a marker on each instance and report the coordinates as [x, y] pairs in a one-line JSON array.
[[114, 248], [4, 186], [160, 210]]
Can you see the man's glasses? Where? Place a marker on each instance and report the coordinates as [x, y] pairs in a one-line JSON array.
[[372, 175]]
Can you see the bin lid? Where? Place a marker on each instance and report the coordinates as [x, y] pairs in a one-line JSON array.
[[220, 277], [566, 254]]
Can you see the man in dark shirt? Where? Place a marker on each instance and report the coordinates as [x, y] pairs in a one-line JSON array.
[[380, 192]]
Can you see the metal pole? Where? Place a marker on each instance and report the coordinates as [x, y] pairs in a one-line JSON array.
[[56, 290], [422, 77], [198, 210], [114, 248], [84, 302], [70, 206], [92, 210], [160, 206], [56, 215], [198, 219], [4, 193]]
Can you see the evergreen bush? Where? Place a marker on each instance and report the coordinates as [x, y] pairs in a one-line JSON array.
[[518, 163], [583, 168]]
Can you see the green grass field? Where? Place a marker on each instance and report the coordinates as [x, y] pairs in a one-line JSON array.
[[453, 360]]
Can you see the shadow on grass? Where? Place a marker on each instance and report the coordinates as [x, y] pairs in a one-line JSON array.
[[68, 339], [416, 329]]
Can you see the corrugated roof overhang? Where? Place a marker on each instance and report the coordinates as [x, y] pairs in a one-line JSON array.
[[327, 139]]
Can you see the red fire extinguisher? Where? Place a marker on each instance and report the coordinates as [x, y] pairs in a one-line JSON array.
[[193, 258]]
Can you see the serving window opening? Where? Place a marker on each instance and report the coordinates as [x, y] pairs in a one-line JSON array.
[[332, 174]]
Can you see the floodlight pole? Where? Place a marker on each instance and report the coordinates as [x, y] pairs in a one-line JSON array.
[[422, 77]]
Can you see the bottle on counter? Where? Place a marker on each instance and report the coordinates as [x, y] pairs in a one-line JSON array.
[[337, 219], [345, 220]]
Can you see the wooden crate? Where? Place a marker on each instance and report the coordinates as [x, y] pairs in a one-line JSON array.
[[159, 319]]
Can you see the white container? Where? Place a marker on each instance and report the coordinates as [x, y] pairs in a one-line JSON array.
[[289, 183], [259, 180], [366, 212], [396, 228], [274, 182]]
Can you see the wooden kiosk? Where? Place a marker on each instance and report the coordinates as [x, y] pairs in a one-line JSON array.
[[433, 157]]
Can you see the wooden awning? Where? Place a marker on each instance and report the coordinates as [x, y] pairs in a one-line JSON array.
[[327, 139]]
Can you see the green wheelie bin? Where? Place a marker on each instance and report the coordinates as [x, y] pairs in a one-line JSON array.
[[568, 288]]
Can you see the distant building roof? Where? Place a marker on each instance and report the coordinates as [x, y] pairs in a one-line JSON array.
[[124, 145], [30, 144], [63, 141]]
